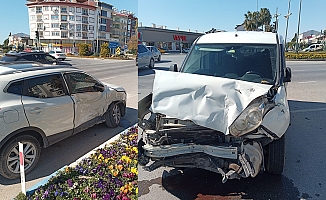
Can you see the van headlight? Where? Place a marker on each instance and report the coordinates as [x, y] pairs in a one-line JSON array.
[[248, 120]]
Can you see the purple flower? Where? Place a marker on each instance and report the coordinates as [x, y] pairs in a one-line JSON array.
[[69, 182], [106, 197], [46, 194], [56, 193]]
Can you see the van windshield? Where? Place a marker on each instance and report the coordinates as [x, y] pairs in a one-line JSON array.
[[247, 62]]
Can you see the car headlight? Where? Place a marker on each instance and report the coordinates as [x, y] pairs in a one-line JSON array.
[[248, 120]]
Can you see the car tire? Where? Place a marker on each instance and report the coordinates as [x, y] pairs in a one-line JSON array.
[[159, 58], [9, 168], [113, 115], [151, 63], [63, 59], [275, 156]]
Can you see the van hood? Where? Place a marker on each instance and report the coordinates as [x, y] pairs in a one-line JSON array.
[[211, 102]]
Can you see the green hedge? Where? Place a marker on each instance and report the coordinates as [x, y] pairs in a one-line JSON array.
[[305, 55]]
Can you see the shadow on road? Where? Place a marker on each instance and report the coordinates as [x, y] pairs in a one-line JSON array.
[[305, 145], [69, 150], [163, 61]]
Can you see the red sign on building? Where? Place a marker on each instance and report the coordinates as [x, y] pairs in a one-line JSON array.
[[179, 37]]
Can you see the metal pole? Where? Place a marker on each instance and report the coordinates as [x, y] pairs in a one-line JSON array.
[[297, 42], [287, 24], [257, 16], [97, 31]]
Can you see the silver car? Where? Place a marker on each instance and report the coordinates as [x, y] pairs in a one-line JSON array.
[[58, 54], [145, 57], [157, 54], [41, 105]]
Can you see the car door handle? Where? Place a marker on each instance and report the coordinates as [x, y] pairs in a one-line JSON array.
[[36, 110]]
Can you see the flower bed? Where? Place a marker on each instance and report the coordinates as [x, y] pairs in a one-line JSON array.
[[305, 55], [109, 173]]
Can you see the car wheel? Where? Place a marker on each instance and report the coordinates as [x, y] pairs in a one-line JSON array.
[[159, 58], [63, 59], [9, 156], [113, 115], [275, 156], [151, 63]]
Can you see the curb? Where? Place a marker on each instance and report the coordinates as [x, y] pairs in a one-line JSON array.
[[32, 189], [306, 59]]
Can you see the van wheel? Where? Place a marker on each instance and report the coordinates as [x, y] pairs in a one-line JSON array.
[[9, 156], [151, 63], [275, 156], [113, 115], [159, 58]]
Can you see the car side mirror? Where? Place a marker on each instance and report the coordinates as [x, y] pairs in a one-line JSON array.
[[99, 87], [287, 75], [174, 68]]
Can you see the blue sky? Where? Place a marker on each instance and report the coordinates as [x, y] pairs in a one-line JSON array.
[[201, 15], [14, 15]]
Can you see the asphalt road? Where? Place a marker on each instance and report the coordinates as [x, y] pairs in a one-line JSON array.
[[118, 72], [303, 176]]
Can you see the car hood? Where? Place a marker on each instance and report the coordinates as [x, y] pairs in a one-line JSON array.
[[208, 101]]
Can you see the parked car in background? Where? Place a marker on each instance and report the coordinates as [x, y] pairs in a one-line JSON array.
[[145, 57], [162, 50], [224, 110], [40, 57], [41, 105], [58, 54], [185, 50], [157, 54], [313, 47]]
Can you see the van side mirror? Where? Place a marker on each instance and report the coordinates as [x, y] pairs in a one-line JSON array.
[[287, 75], [174, 68]]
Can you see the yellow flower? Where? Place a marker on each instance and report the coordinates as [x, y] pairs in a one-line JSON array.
[[134, 170], [137, 190], [111, 167], [120, 167], [122, 188], [100, 157], [115, 173], [126, 159], [135, 149], [67, 169]]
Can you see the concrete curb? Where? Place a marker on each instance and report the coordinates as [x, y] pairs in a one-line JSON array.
[[32, 189]]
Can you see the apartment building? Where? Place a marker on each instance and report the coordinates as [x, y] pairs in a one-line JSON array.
[[62, 23]]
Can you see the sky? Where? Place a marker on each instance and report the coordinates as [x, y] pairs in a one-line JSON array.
[[200, 15], [14, 15], [203, 15]]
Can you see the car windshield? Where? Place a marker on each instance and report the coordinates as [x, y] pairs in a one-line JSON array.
[[8, 58], [248, 62]]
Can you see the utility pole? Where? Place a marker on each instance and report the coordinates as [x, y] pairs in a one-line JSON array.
[[276, 20], [287, 25], [257, 16], [97, 31], [297, 41]]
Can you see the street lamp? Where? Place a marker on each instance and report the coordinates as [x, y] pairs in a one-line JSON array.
[[297, 43], [287, 24]]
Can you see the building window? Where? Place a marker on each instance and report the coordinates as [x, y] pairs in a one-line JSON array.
[[91, 20], [45, 17], [72, 18], [71, 34], [32, 9], [38, 9], [54, 17], [54, 8], [78, 27], [72, 9], [78, 10], [78, 34], [32, 17], [78, 18], [92, 12], [55, 33], [64, 34], [45, 8], [71, 26], [84, 27], [84, 19], [102, 28], [91, 27], [104, 13], [39, 26], [54, 25], [64, 9], [102, 21], [84, 11], [84, 36], [64, 18], [63, 27], [39, 18]]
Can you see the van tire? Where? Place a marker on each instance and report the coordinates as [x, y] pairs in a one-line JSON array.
[[275, 156]]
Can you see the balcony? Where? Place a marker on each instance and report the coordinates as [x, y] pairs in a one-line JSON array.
[[64, 11], [84, 30], [85, 22], [39, 12], [85, 13], [84, 37], [39, 20]]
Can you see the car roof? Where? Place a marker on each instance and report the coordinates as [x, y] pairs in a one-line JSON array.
[[24, 53], [240, 37], [29, 66]]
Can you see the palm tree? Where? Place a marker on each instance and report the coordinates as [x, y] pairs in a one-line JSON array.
[[265, 17], [250, 21]]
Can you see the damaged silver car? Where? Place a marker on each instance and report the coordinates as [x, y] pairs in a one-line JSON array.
[[224, 110]]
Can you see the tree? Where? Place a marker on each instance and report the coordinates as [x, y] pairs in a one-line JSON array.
[[6, 42], [250, 23], [265, 17], [254, 20], [83, 49], [105, 51], [133, 44]]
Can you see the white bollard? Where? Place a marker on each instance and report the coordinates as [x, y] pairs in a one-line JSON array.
[[22, 167]]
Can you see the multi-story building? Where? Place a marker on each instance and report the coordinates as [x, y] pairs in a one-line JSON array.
[[119, 26], [104, 23], [132, 26], [62, 23]]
